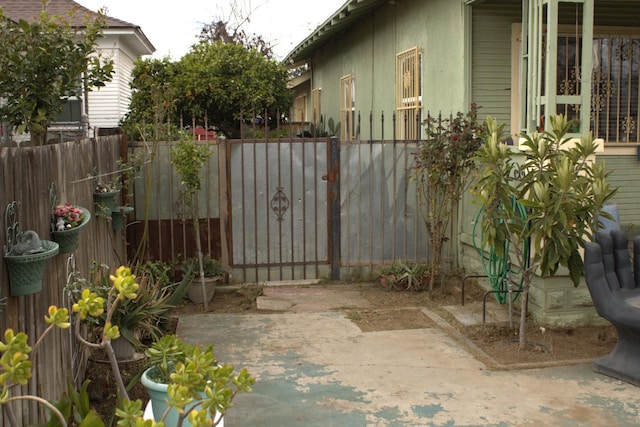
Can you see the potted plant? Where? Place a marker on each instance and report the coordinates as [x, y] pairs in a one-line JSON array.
[[66, 222], [137, 318], [186, 383], [213, 272], [25, 255], [189, 158], [104, 196]]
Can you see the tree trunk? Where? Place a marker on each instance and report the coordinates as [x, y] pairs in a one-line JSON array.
[[523, 313], [196, 229]]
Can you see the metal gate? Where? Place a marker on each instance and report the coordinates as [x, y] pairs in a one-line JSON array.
[[276, 223]]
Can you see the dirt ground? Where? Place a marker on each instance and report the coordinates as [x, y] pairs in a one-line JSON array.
[[397, 310]]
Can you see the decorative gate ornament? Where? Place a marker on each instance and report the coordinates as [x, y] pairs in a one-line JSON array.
[[280, 204]]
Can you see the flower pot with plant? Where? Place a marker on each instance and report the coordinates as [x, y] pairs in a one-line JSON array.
[[186, 383], [137, 318], [66, 222], [213, 271], [104, 196], [189, 158], [25, 255]]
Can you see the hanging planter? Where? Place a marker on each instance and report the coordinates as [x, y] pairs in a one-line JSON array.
[[106, 201], [68, 221], [25, 255], [119, 217]]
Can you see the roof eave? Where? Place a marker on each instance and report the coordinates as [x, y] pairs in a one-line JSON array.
[[349, 13]]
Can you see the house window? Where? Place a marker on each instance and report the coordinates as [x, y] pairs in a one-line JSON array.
[[615, 87], [615, 81], [71, 111], [315, 106], [347, 107], [408, 93], [614, 113]]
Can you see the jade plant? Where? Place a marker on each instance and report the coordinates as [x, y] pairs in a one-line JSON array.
[[198, 387], [186, 382]]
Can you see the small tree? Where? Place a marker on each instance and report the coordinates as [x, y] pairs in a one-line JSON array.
[[561, 190], [189, 158], [44, 62], [221, 80], [441, 168]]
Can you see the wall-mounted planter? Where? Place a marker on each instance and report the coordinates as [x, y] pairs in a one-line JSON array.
[[119, 217], [26, 271], [106, 201], [68, 239]]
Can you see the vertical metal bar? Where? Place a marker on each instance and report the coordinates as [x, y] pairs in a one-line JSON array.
[[293, 252], [383, 199], [371, 177], [316, 182], [303, 196], [393, 125], [280, 242], [347, 203], [371, 126], [382, 125], [224, 206], [267, 210], [394, 180], [406, 200], [244, 205], [359, 216], [334, 203]]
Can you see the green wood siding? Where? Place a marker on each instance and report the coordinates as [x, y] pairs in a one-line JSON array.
[[368, 51], [491, 58], [625, 174]]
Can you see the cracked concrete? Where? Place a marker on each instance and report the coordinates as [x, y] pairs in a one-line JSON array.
[[315, 367]]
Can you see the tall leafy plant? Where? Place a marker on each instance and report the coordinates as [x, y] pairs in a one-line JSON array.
[[561, 189], [189, 158], [42, 64], [441, 168]]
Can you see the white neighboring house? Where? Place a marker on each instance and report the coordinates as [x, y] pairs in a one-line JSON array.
[[123, 42]]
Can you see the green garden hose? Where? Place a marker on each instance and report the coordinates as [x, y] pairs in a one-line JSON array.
[[499, 269]]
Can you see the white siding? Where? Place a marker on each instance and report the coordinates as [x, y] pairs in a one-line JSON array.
[[109, 104]]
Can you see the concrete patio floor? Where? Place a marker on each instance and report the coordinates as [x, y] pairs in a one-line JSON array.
[[314, 367]]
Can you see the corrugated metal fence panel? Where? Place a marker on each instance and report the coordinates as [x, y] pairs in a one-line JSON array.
[[278, 203], [26, 175], [380, 215], [170, 234]]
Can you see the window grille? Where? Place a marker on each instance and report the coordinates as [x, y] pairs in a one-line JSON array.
[[347, 107], [315, 106], [615, 83], [300, 108], [408, 93]]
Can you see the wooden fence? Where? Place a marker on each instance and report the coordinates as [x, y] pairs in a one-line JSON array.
[[26, 175]]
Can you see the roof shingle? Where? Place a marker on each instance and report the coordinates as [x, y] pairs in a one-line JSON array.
[[29, 10]]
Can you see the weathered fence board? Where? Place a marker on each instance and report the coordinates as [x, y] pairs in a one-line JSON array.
[[26, 176]]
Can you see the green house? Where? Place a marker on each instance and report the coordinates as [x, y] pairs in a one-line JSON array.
[[378, 67]]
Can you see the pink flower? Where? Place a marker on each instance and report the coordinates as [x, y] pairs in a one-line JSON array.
[[71, 215]]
